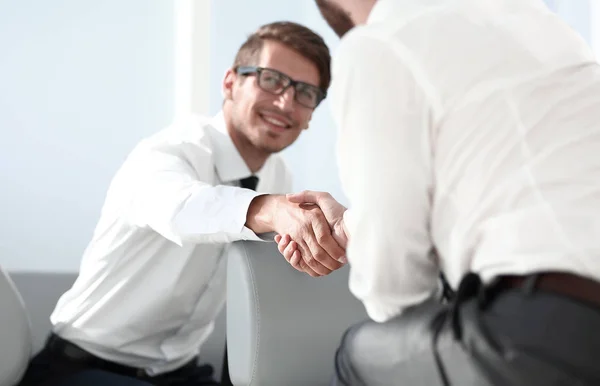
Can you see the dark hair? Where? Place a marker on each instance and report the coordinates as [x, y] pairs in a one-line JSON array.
[[295, 36]]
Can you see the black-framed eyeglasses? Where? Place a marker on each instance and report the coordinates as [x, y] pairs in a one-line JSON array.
[[276, 83]]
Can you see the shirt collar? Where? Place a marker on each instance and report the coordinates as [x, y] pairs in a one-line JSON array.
[[229, 163]]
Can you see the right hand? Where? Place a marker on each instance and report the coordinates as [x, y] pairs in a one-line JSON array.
[[319, 253], [333, 211]]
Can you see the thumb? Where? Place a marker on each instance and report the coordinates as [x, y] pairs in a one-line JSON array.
[[304, 197]]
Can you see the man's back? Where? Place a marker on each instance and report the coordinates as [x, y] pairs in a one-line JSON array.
[[514, 139], [505, 131], [469, 146]]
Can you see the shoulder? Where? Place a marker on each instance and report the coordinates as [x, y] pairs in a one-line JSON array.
[[184, 134], [363, 44], [185, 143]]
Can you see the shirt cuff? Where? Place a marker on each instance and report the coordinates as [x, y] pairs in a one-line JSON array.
[[247, 233]]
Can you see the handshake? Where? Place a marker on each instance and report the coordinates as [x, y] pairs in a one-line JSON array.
[[309, 226]]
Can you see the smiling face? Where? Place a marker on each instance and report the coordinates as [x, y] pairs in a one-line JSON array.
[[258, 119]]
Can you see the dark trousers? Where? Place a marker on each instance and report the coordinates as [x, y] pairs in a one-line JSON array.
[[61, 363], [507, 336]]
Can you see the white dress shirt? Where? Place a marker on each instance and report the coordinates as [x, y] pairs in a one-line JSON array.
[[153, 278], [470, 128]]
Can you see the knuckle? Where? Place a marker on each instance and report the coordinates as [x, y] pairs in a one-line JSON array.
[[319, 258], [322, 238]]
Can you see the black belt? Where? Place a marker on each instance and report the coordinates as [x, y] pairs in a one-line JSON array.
[[561, 283], [73, 353]]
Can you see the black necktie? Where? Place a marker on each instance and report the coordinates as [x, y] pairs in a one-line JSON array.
[[249, 182]]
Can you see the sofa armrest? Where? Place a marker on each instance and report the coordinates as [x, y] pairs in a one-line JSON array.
[[283, 326], [15, 334]]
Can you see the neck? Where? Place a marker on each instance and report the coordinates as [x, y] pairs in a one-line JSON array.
[[253, 157], [359, 10]]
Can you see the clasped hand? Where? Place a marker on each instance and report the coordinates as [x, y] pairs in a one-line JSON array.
[[313, 241]]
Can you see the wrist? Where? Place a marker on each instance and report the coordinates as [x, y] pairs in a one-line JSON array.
[[261, 213]]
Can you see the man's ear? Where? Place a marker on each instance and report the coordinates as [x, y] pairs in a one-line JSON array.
[[228, 83]]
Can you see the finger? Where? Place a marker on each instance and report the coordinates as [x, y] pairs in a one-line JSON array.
[[304, 197], [306, 269], [334, 253], [283, 243], [289, 250], [297, 255], [298, 263], [295, 260], [318, 260], [277, 238], [314, 269], [326, 239]]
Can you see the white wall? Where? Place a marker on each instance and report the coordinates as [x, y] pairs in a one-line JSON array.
[[80, 83]]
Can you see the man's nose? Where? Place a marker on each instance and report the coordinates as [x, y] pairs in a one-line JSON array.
[[286, 100]]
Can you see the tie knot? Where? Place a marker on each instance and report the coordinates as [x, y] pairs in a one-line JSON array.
[[249, 182]]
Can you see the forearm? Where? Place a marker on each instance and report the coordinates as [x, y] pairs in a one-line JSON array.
[[197, 213]]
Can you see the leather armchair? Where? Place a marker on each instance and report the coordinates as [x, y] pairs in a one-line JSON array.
[[283, 326]]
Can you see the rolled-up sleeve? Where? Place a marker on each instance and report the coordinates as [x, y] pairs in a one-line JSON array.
[[169, 196], [384, 156]]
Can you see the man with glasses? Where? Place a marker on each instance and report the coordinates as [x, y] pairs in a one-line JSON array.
[[152, 280]]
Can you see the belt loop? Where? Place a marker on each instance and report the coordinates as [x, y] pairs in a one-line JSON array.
[[530, 283]]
